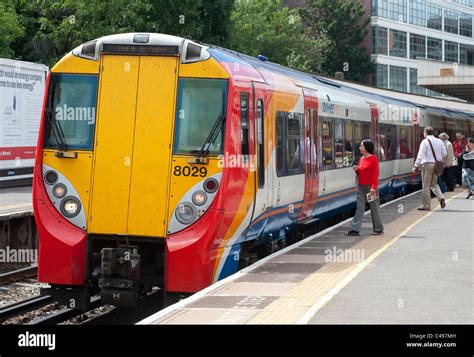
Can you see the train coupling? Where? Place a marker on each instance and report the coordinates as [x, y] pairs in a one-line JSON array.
[[120, 273]]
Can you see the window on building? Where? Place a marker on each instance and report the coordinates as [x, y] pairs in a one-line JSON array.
[[398, 43], [451, 51], [434, 16], [451, 21], [465, 25], [398, 78], [462, 53], [414, 88], [348, 143], [418, 12], [379, 40], [382, 75], [417, 46], [397, 10], [434, 48], [405, 142], [326, 136], [464, 2], [338, 143], [380, 8]]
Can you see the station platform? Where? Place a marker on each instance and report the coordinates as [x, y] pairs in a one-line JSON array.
[[15, 202], [419, 272]]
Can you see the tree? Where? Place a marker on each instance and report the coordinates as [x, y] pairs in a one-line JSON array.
[[344, 23], [269, 28], [10, 28], [57, 26]]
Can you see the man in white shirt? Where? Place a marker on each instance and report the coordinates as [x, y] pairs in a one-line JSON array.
[[429, 178]]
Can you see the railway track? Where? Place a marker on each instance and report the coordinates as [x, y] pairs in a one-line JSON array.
[[24, 306], [18, 274]]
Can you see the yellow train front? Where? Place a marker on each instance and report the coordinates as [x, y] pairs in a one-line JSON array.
[[128, 177]]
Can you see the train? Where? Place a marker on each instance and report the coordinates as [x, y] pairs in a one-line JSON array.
[[168, 163]]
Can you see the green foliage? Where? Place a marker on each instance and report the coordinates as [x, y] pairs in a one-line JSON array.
[[344, 24], [10, 28], [269, 28], [321, 38], [57, 26]]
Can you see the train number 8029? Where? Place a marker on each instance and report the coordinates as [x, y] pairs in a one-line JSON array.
[[190, 171]]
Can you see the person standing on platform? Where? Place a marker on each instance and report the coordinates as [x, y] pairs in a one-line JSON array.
[[448, 173], [468, 168], [459, 144], [368, 174], [431, 150]]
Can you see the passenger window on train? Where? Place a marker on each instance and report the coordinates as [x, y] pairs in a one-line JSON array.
[[308, 142], [387, 135], [326, 136], [261, 144], [295, 149], [357, 140], [405, 143], [279, 145], [348, 144], [244, 123], [315, 145], [339, 143]]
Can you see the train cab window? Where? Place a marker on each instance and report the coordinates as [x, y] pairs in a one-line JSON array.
[[338, 143], [71, 112], [348, 143], [244, 123], [280, 155], [200, 110], [326, 136], [405, 144], [295, 152], [308, 142], [261, 144]]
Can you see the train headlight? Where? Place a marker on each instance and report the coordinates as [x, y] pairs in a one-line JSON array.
[[186, 213], [199, 198], [59, 190], [70, 207]]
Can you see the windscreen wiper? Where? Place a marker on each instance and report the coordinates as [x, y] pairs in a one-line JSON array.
[[212, 136], [58, 132]]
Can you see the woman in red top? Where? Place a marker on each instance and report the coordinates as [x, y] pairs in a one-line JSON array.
[[368, 175]]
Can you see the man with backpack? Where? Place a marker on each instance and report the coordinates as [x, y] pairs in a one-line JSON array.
[[431, 157]]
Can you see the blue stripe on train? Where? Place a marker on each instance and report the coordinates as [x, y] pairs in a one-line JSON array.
[[324, 209]]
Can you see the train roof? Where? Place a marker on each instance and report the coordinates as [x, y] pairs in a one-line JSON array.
[[437, 106]]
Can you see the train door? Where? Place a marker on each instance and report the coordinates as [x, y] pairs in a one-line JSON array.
[[132, 150], [262, 148], [310, 155]]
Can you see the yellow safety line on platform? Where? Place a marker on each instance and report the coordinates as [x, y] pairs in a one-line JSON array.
[[302, 302]]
